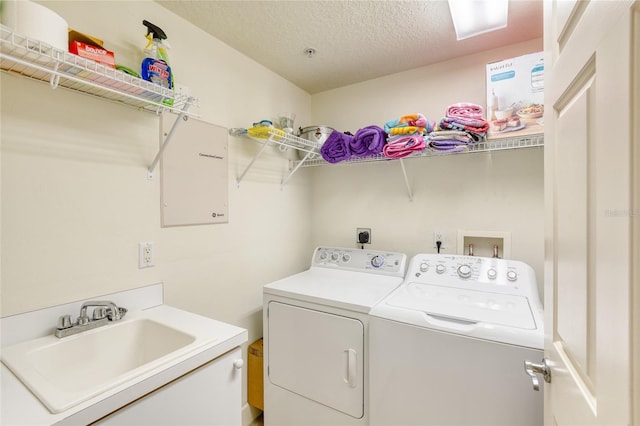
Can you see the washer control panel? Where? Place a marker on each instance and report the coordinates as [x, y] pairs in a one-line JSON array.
[[473, 272], [373, 261]]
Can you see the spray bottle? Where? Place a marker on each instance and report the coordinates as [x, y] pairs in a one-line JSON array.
[[155, 66]]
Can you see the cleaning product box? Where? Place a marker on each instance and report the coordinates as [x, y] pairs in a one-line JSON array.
[[92, 52], [515, 96]]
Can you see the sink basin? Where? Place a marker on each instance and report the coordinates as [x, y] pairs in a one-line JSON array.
[[65, 372]]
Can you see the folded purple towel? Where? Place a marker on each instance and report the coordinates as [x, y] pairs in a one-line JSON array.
[[367, 141], [450, 145], [336, 147]]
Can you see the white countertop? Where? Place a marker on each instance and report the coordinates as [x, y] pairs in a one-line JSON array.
[[20, 407]]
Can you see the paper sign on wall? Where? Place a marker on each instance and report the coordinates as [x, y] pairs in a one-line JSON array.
[[194, 173]]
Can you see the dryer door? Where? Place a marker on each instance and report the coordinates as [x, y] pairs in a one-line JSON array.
[[317, 355]]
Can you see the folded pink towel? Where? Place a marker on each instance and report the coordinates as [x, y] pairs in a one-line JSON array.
[[404, 146], [465, 110]]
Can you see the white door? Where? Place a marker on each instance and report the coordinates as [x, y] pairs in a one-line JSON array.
[[317, 355], [589, 198]]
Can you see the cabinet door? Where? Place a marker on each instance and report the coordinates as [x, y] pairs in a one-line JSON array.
[[209, 395], [317, 355]]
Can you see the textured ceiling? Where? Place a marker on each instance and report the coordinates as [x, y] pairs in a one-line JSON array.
[[355, 40]]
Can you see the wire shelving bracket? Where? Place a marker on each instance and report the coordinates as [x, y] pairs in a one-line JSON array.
[[20, 55]]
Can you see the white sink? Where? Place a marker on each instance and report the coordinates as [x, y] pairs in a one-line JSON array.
[[64, 372]]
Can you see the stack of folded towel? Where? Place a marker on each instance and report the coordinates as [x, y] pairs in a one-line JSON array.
[[462, 125], [449, 140], [336, 147], [477, 128], [406, 135], [464, 110], [367, 141]]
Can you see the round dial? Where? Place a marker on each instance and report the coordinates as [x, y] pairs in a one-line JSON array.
[[346, 257], [492, 274], [464, 271], [512, 275], [441, 269], [424, 267], [323, 256], [334, 256], [377, 261]]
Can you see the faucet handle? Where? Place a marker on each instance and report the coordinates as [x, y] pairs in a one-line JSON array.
[[115, 313], [99, 313], [64, 321], [82, 319]]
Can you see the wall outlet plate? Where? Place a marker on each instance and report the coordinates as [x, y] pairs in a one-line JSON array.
[[363, 235], [145, 255]]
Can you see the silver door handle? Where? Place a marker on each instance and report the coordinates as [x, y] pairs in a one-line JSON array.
[[532, 369]]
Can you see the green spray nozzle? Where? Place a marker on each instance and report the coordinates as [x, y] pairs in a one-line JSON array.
[[154, 30]]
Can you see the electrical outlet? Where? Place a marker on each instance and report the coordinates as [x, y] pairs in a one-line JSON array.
[[145, 255], [363, 235], [438, 236]]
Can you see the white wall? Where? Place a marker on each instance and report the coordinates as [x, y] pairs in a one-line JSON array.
[[499, 191], [76, 199]]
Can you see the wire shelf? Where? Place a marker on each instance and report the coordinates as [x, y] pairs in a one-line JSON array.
[[283, 139], [528, 141], [42, 62]]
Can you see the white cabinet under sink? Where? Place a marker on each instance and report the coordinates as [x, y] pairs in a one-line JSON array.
[[210, 394], [200, 383]]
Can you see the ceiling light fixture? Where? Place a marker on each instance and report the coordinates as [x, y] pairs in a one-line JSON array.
[[475, 17]]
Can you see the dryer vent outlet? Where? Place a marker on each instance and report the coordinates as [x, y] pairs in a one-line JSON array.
[[363, 235]]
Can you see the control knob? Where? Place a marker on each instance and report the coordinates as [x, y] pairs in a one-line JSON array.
[[424, 267], [492, 274], [464, 271], [441, 269], [377, 261], [334, 256], [323, 256], [346, 257], [512, 275]]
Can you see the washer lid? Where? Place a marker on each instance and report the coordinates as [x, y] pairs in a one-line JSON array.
[[465, 305]]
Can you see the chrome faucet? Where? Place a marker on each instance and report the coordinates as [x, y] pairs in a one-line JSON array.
[[103, 312]]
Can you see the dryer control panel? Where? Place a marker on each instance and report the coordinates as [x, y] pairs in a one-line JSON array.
[[372, 261]]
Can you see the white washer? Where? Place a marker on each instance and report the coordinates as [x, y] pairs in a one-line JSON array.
[[315, 336], [447, 347]]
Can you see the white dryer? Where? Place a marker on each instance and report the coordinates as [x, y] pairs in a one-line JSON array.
[[316, 336], [447, 347]]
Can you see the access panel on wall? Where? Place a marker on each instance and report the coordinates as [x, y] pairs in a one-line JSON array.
[[194, 173]]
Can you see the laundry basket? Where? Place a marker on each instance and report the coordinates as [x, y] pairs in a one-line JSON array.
[[255, 391]]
